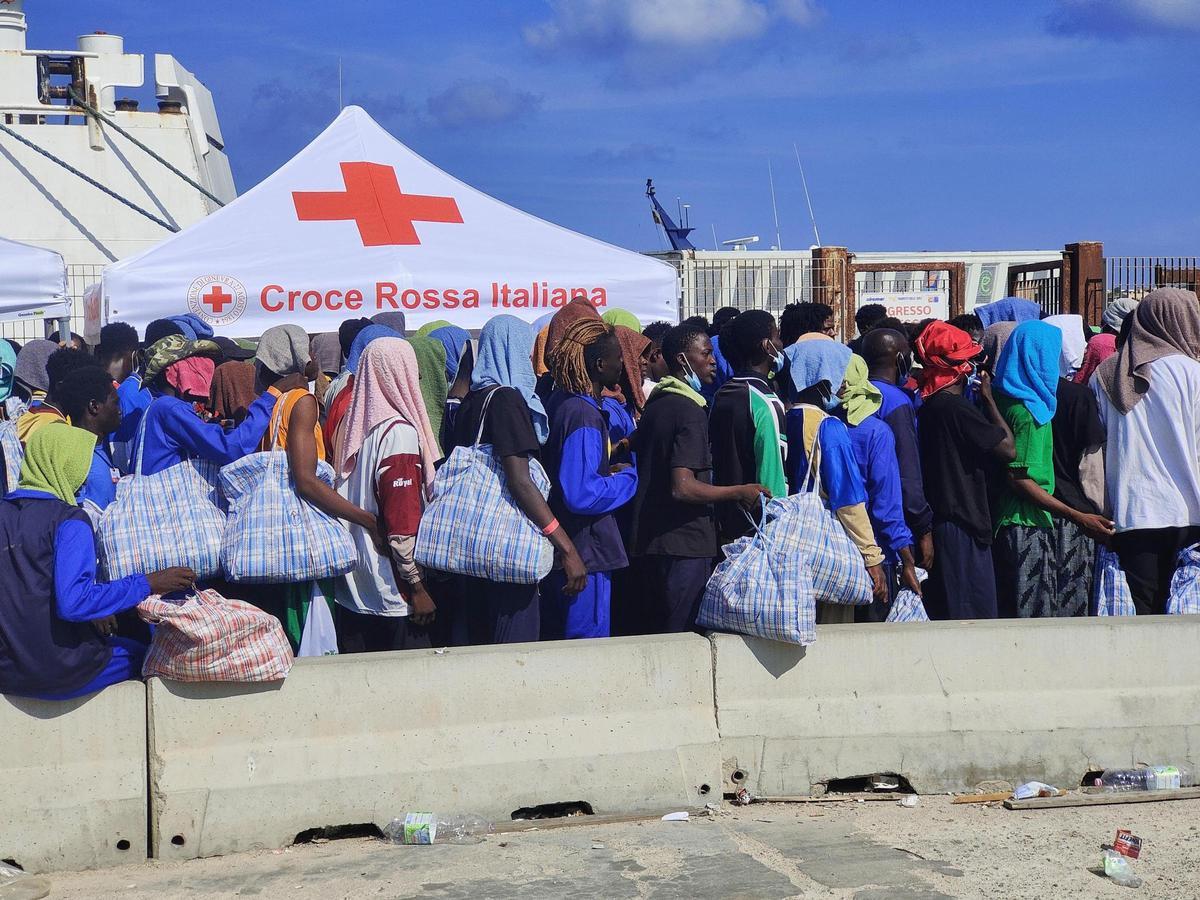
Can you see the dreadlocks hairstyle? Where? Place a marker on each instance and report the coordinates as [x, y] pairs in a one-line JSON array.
[[579, 348]]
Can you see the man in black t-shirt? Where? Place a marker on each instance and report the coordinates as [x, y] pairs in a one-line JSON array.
[[958, 445], [674, 538]]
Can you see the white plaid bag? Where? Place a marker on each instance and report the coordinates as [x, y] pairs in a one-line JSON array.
[[836, 565], [907, 607], [170, 518], [274, 536], [473, 526], [1110, 595], [763, 587], [13, 452], [1185, 584], [208, 637]]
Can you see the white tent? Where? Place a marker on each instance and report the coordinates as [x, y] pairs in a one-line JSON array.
[[357, 224], [33, 283]]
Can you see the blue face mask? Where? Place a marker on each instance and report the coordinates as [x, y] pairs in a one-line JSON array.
[[692, 379]]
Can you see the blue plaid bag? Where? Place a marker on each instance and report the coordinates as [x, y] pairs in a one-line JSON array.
[[1110, 595], [836, 565], [763, 587], [907, 607], [274, 536], [170, 518], [1185, 584], [472, 526], [13, 452]]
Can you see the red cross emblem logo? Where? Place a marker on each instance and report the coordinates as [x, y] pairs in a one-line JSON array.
[[383, 213], [217, 299]]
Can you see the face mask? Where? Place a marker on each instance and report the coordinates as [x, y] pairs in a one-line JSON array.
[[778, 359], [692, 379], [830, 401], [903, 367]]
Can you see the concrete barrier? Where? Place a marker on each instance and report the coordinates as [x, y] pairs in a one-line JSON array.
[[624, 724], [953, 704], [73, 780]]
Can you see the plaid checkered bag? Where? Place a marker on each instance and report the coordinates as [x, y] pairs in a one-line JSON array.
[[835, 562], [763, 587], [907, 607], [14, 453], [1110, 594], [274, 536], [170, 518], [1185, 584], [473, 526], [207, 637]]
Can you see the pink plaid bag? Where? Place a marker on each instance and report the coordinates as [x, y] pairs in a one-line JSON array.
[[208, 637]]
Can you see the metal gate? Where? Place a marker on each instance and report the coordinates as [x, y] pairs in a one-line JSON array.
[[1039, 282], [710, 281], [1136, 276]]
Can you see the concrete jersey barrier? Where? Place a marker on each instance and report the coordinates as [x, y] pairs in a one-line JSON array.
[[73, 780], [622, 724], [952, 704]]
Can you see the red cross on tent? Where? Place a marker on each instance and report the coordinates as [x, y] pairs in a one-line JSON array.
[[217, 299], [373, 199]]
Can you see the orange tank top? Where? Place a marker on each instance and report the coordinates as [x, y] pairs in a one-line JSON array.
[[277, 432]]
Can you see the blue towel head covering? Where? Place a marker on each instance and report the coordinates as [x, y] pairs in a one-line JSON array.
[[365, 337], [505, 360], [194, 328], [453, 339], [818, 360], [1010, 309], [1028, 368], [8, 367]]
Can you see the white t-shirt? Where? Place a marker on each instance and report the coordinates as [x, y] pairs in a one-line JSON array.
[[1152, 460], [386, 481]]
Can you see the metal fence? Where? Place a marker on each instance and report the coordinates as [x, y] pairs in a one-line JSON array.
[[1039, 282], [1136, 276], [80, 276], [751, 281]]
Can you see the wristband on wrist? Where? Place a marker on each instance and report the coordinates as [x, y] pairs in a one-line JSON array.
[[550, 528]]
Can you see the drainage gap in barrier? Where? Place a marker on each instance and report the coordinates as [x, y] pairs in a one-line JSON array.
[[122, 844], [338, 832], [1091, 779], [553, 810], [888, 782]]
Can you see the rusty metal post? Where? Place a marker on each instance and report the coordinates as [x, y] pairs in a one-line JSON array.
[[832, 284], [1083, 280]]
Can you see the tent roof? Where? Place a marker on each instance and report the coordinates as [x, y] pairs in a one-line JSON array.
[[33, 282], [357, 223]]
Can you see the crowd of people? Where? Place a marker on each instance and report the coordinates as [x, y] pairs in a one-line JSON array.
[[993, 452]]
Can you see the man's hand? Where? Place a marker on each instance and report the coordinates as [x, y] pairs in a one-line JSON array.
[[925, 548], [879, 586], [576, 573], [168, 581], [1098, 528], [421, 605], [618, 467], [908, 578], [379, 538], [748, 495], [106, 626], [985, 385]]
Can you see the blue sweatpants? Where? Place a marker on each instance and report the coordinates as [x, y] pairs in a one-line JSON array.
[[586, 615], [124, 664]]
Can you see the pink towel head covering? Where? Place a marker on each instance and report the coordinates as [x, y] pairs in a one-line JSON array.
[[386, 385], [192, 376]]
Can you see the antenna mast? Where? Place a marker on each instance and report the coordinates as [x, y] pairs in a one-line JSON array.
[[774, 208], [341, 105], [807, 198]]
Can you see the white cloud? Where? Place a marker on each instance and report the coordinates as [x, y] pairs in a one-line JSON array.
[[664, 23], [1119, 18]]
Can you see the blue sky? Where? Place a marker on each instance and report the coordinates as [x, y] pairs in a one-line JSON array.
[[922, 125]]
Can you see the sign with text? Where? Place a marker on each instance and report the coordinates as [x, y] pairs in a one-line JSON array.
[[911, 306]]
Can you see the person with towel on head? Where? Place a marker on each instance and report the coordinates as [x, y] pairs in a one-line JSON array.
[[505, 412], [56, 619], [1149, 400], [1024, 551], [574, 311], [340, 403], [959, 445], [179, 372], [460, 365], [51, 368], [818, 438], [386, 452]]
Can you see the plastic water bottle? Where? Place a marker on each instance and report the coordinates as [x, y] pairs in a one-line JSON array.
[[429, 828], [1118, 869], [1152, 778]]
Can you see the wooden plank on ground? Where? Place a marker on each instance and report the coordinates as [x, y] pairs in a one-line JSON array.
[[1108, 798], [833, 798], [982, 798]]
